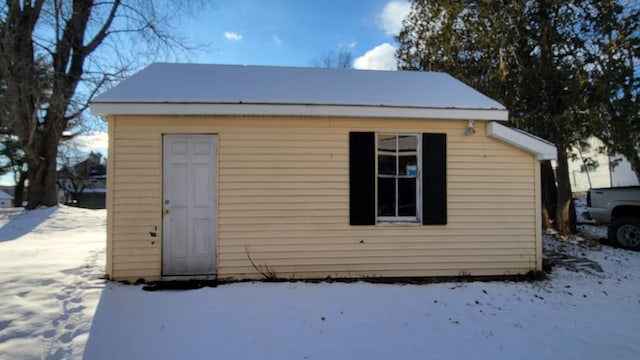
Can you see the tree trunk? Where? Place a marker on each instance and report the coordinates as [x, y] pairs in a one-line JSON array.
[[18, 196], [42, 174], [565, 210], [549, 194]]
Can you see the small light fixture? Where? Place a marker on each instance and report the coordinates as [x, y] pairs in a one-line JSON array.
[[470, 130]]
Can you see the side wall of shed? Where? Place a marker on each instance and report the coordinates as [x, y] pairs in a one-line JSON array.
[[284, 201]]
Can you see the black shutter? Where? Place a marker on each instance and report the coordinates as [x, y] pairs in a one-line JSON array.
[[434, 179], [362, 181]]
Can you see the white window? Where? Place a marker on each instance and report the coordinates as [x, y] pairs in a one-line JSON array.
[[398, 177]]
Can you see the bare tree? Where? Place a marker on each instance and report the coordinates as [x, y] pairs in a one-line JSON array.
[[342, 59], [73, 42]]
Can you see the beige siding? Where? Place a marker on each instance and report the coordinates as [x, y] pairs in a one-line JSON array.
[[284, 202]]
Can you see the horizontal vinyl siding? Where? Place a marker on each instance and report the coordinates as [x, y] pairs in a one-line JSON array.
[[283, 201]]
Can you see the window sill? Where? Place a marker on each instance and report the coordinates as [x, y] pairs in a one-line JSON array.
[[398, 223]]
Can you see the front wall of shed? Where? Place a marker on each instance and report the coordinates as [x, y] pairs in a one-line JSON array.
[[284, 202]]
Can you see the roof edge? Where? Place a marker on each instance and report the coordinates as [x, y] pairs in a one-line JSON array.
[[523, 140], [366, 111]]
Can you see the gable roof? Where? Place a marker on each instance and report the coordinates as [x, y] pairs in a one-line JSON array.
[[200, 89]]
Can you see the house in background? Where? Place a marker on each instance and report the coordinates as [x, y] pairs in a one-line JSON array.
[[6, 200], [585, 176], [240, 172], [84, 184]]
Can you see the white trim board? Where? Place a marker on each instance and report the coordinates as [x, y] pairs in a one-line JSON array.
[[523, 140], [134, 108]]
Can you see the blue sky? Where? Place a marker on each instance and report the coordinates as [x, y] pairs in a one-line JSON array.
[[296, 32], [285, 33]]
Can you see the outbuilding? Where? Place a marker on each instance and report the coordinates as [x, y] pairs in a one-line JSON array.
[[6, 200], [244, 172]]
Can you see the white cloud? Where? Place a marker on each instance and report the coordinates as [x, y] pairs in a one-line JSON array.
[[229, 35], [277, 40], [391, 18], [97, 141], [381, 57]]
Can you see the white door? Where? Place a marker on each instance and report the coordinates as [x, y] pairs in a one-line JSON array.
[[189, 205]]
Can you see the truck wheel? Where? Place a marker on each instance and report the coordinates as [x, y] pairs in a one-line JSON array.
[[625, 232]]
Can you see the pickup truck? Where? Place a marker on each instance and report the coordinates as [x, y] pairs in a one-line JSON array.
[[620, 208]]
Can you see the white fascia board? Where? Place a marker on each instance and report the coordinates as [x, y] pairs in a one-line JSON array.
[[104, 109], [523, 140]]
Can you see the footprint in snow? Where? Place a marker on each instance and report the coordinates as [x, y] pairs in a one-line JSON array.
[[46, 282], [4, 324], [59, 354], [66, 337], [76, 309], [60, 319]]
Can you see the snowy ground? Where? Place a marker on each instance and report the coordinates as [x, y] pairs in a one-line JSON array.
[[53, 305], [51, 261]]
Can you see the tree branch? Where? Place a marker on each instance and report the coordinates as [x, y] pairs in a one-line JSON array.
[[104, 31]]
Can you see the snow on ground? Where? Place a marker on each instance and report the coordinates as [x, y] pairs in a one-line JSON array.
[[50, 264], [53, 305]]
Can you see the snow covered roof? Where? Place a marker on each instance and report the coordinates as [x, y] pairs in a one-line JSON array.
[[200, 89], [5, 196]]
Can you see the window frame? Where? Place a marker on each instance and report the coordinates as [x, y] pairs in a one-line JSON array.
[[400, 220]]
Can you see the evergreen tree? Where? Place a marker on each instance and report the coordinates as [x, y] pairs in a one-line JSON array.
[[14, 162], [536, 57], [616, 55]]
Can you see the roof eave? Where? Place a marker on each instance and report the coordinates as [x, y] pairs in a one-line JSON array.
[[523, 140], [318, 110]]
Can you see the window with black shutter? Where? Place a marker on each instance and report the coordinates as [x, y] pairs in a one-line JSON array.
[[397, 178]]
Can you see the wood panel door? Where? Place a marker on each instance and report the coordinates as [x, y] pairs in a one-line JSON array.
[[189, 205]]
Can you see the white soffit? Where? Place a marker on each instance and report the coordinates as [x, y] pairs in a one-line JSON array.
[[523, 140]]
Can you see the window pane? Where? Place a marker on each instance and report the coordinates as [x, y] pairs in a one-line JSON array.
[[386, 165], [407, 197], [387, 154], [408, 143], [409, 165], [386, 197], [387, 143], [408, 155]]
